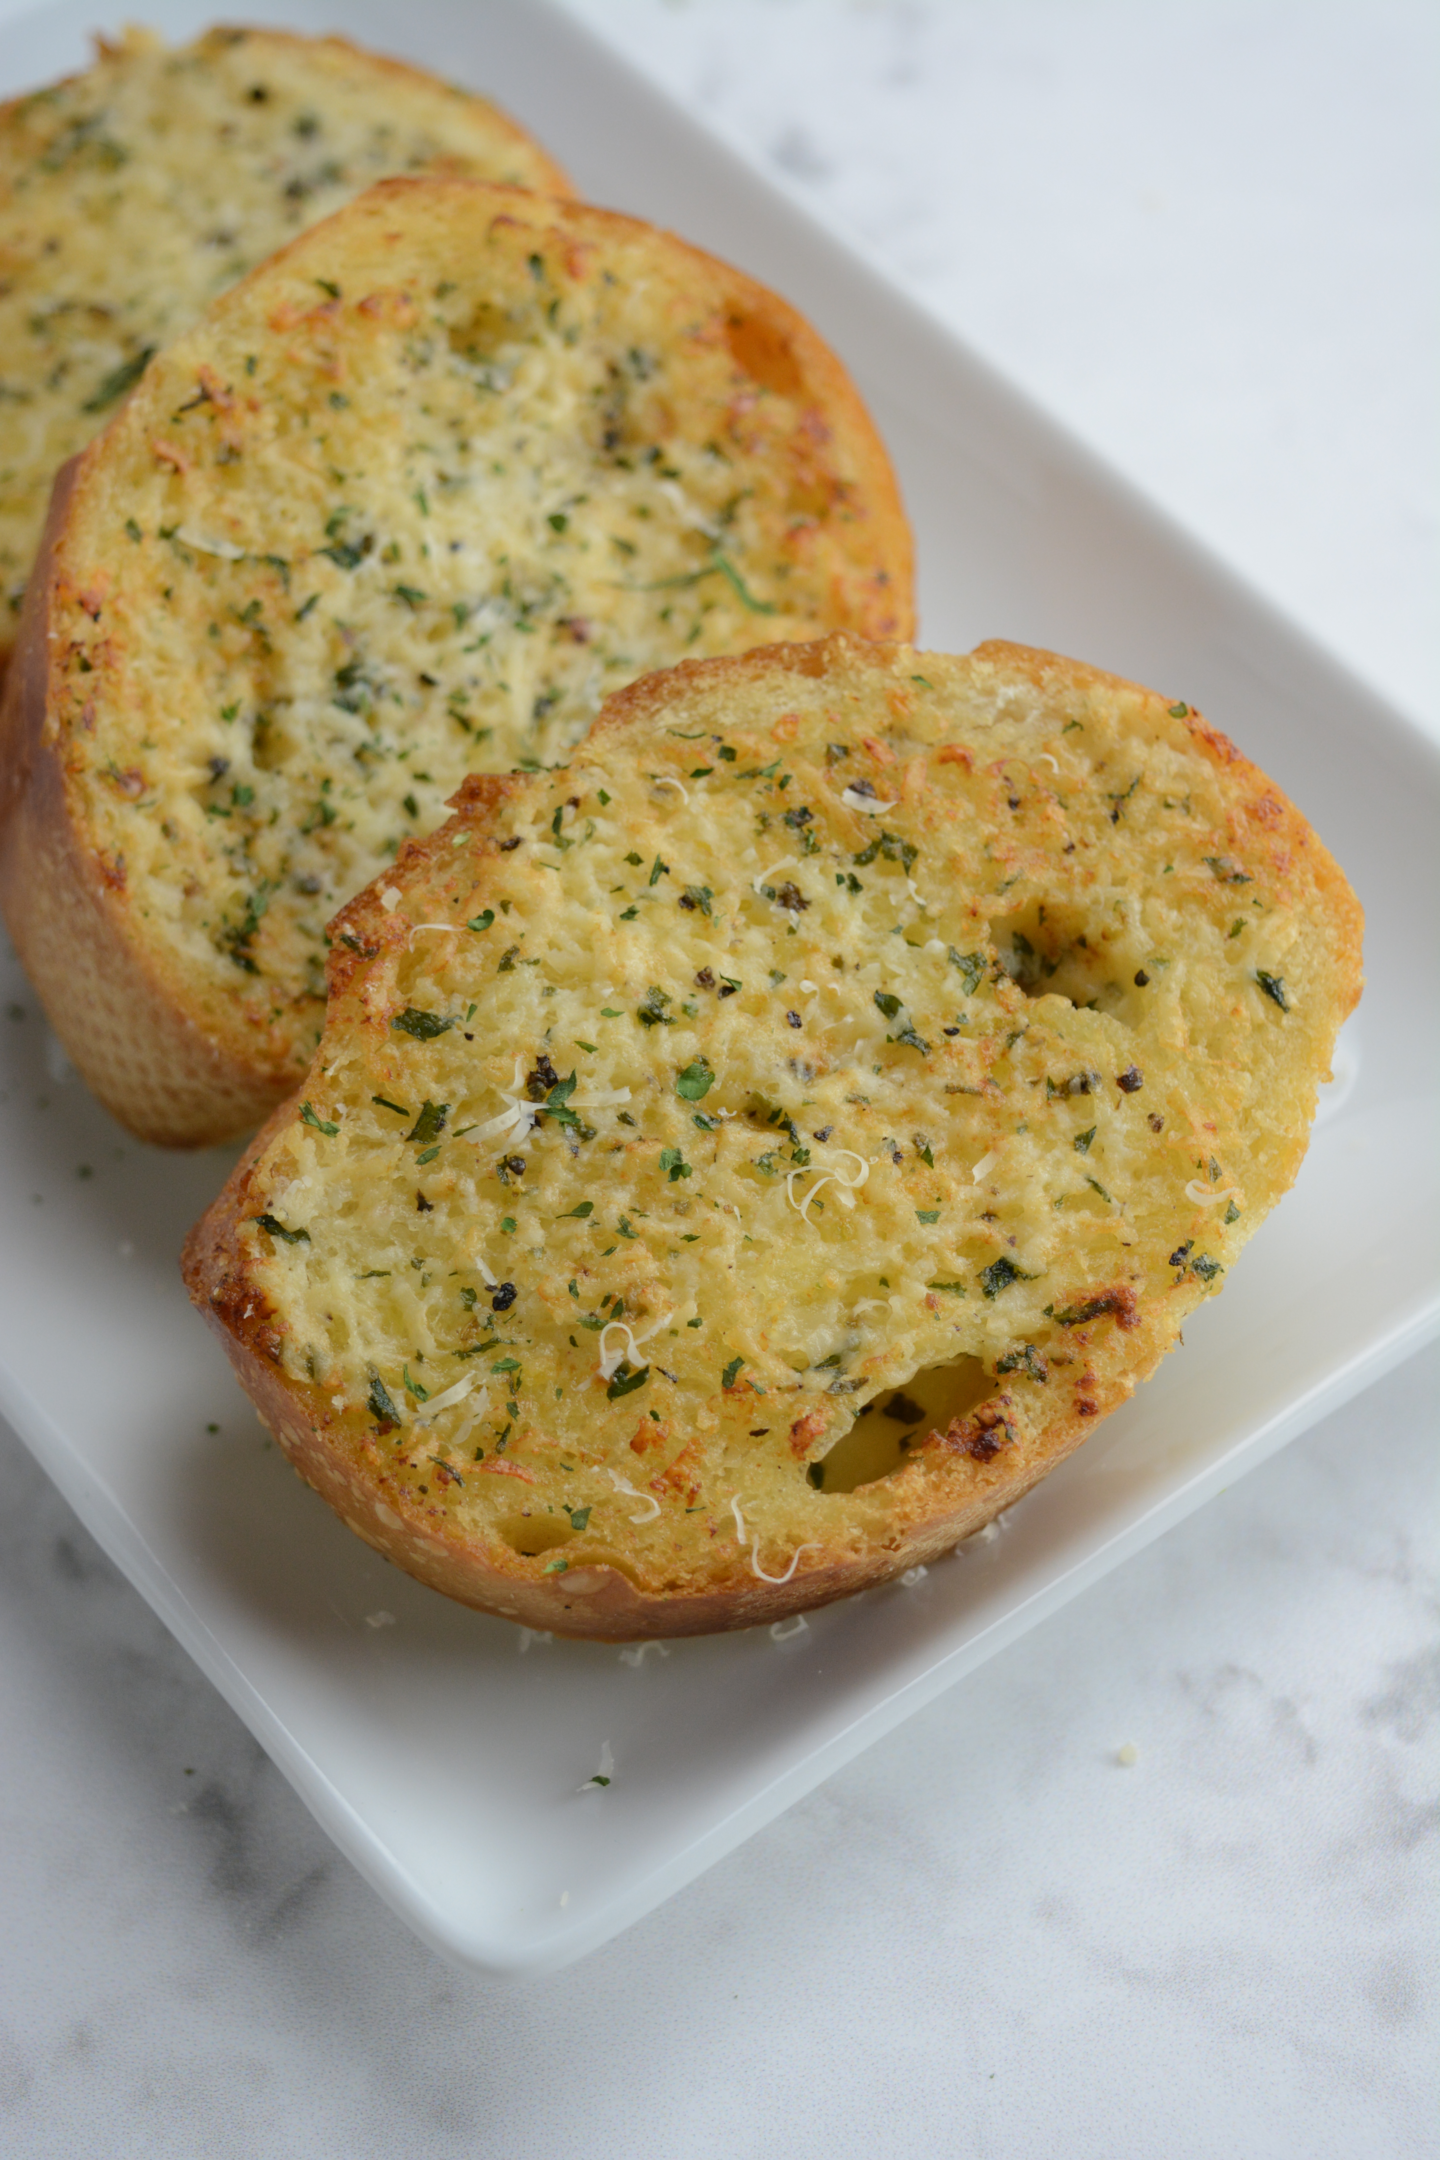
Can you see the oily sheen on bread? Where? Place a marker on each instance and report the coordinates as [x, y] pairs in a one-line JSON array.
[[131, 195], [406, 504], [740, 1164]]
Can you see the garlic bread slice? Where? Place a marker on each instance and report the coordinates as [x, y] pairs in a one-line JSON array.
[[741, 1163], [133, 194], [406, 504]]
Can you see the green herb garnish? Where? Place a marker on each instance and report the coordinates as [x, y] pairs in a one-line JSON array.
[[912, 1039], [424, 1026], [893, 848], [379, 1402], [650, 1012], [278, 1229], [120, 379], [430, 1123], [625, 1382]]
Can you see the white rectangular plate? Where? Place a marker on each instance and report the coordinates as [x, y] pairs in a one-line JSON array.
[[444, 1751]]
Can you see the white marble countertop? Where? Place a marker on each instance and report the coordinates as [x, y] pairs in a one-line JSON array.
[[1203, 233]]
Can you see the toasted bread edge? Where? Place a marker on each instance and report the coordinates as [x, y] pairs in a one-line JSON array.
[[65, 907], [589, 1603]]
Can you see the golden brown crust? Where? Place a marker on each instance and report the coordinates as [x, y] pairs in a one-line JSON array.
[[1062, 1333], [550, 177], [70, 913], [546, 175], [1267, 820], [962, 1483]]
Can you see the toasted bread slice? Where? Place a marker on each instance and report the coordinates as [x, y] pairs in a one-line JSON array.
[[739, 1165], [131, 195], [406, 504]]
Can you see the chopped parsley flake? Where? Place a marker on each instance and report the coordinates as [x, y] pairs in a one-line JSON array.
[[430, 1123], [379, 1403], [911, 1037], [695, 1081], [626, 1382], [120, 379], [557, 1103], [278, 1229], [893, 848], [324, 1125], [424, 1026], [1026, 1359], [971, 966]]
